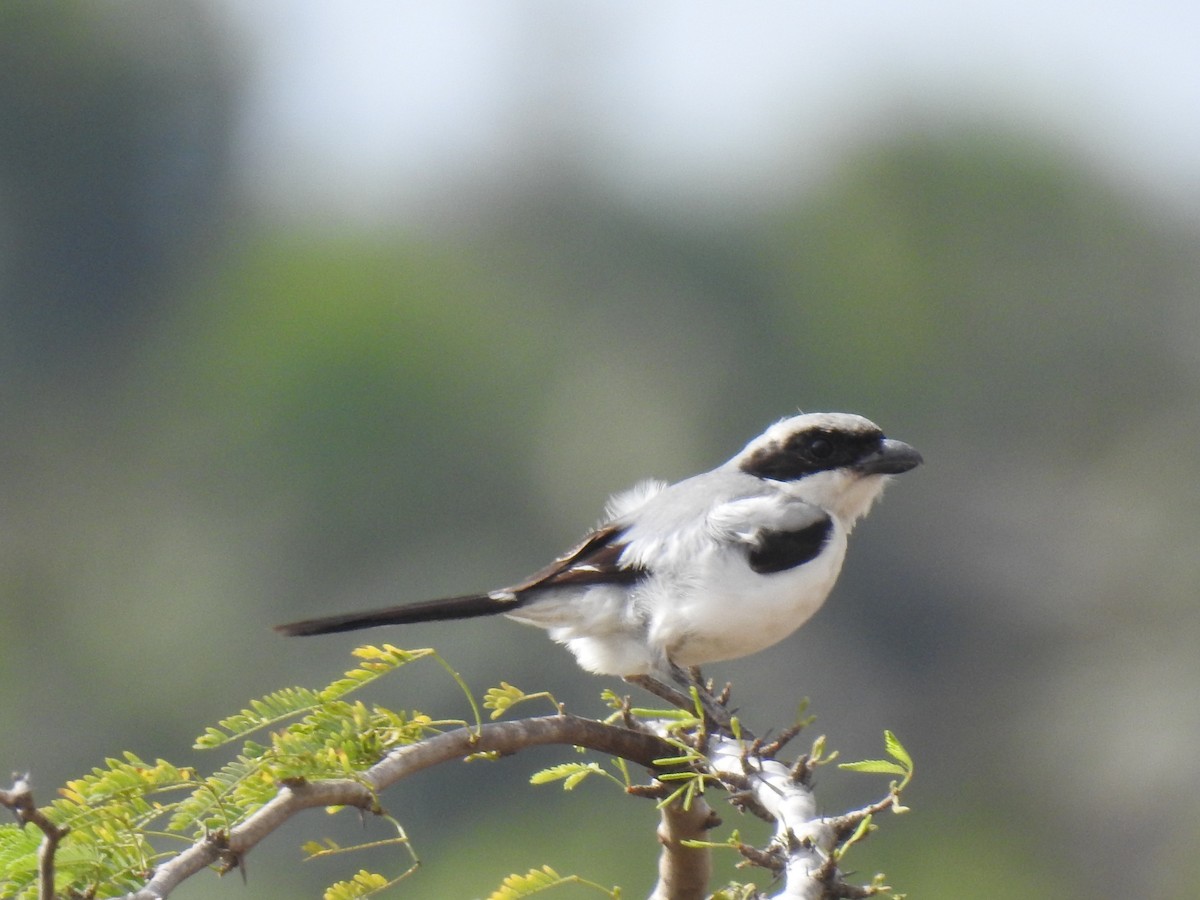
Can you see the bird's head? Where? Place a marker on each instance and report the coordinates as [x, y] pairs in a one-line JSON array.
[[837, 461]]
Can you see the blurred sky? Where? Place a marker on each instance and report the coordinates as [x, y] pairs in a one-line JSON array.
[[364, 109]]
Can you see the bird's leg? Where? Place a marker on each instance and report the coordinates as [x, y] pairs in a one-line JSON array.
[[716, 715], [662, 691], [715, 710]]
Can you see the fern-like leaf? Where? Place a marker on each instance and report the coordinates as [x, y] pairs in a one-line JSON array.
[[225, 797], [107, 850], [537, 880], [363, 884], [18, 858], [570, 774], [263, 713], [288, 703], [532, 882], [376, 662]]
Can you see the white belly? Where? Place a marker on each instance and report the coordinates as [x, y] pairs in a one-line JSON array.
[[733, 611], [715, 610]]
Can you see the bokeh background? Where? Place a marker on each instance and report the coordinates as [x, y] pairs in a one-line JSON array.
[[316, 306]]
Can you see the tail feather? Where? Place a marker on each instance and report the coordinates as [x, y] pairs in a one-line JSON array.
[[465, 607]]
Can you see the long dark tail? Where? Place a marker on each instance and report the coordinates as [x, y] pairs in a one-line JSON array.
[[465, 607]]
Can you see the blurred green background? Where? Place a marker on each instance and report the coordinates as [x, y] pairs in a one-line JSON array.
[[316, 307]]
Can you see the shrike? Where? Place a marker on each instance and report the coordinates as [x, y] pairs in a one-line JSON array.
[[714, 567]]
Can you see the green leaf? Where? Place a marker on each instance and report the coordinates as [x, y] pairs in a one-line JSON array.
[[377, 661], [537, 880], [737, 892], [875, 766], [863, 828], [569, 773], [503, 698], [363, 884], [262, 713], [500, 699], [224, 798], [896, 750], [532, 882]]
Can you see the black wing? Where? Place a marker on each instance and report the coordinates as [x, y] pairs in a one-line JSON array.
[[594, 560]]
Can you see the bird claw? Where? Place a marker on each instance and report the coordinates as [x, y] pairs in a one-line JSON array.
[[713, 707]]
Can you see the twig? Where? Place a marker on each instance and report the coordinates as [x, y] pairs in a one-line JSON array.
[[845, 824], [20, 800], [771, 748]]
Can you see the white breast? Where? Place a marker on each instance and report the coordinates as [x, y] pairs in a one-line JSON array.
[[729, 610]]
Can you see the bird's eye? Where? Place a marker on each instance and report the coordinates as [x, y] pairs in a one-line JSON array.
[[820, 448]]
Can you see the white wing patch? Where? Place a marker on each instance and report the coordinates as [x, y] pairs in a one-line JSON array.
[[741, 520]]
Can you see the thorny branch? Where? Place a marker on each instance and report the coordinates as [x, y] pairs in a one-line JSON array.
[[805, 849], [804, 852]]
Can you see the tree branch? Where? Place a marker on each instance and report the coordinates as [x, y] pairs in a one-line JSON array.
[[504, 738], [805, 852], [684, 872], [803, 840]]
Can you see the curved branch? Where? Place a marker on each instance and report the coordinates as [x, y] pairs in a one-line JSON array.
[[503, 737]]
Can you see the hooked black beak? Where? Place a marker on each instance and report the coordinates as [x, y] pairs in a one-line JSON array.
[[892, 458]]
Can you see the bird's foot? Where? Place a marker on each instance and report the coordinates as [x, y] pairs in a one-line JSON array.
[[714, 709]]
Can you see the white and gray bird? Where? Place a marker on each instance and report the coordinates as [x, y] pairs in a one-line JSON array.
[[714, 567]]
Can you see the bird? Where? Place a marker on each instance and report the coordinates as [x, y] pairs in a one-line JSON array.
[[714, 567]]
